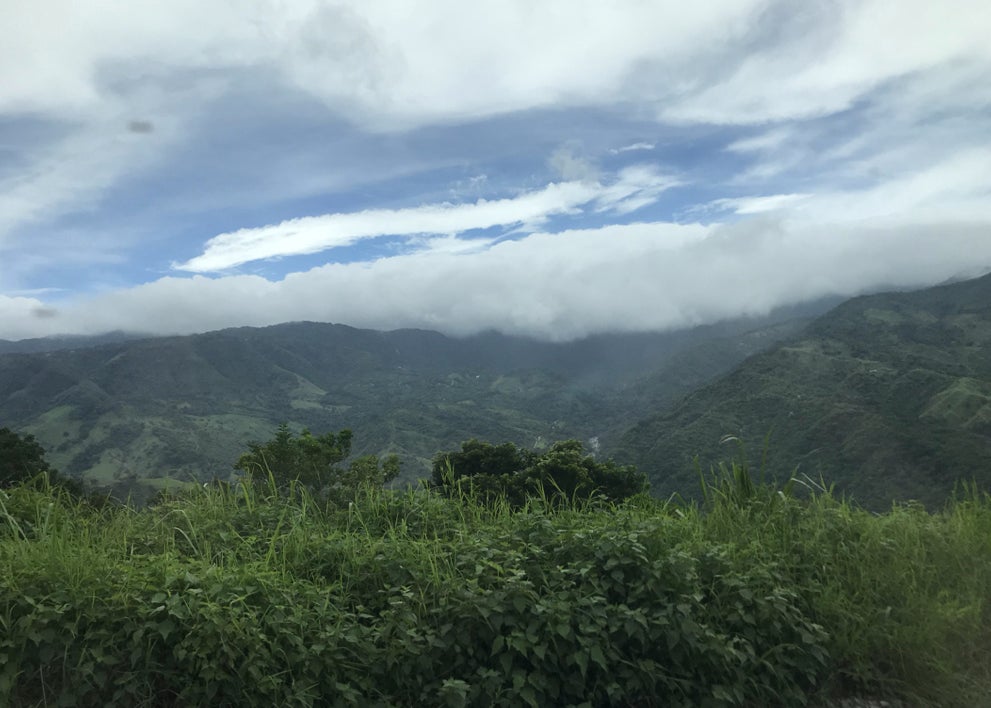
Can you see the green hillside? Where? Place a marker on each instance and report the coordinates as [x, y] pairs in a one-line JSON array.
[[888, 396], [132, 414]]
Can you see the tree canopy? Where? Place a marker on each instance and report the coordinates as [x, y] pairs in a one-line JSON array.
[[314, 461], [21, 458], [564, 471]]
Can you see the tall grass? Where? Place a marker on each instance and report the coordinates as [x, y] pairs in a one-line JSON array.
[[248, 595]]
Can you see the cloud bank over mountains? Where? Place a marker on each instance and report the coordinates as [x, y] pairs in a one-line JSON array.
[[553, 169], [629, 277]]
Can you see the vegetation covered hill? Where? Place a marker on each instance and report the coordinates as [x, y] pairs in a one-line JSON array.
[[52, 344], [888, 396], [186, 407]]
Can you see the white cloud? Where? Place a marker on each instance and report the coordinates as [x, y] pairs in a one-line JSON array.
[[954, 188], [571, 166], [19, 318], [635, 277], [635, 187], [834, 53], [389, 66], [68, 57], [869, 119], [768, 141], [379, 62], [394, 65], [317, 233], [632, 147], [759, 205]]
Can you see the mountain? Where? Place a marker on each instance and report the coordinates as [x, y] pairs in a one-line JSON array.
[[51, 344], [132, 413], [888, 396]]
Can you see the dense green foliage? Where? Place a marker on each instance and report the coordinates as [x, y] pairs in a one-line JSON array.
[[888, 396], [564, 472], [314, 462], [21, 458], [231, 596]]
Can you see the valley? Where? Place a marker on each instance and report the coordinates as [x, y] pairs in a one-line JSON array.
[[887, 396]]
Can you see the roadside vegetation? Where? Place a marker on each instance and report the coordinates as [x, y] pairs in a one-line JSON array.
[[274, 593]]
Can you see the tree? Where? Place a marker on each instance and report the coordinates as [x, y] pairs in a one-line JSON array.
[[564, 471], [315, 462], [21, 458]]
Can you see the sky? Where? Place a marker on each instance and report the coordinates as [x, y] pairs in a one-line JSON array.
[[553, 169]]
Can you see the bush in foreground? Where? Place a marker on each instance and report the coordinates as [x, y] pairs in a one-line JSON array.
[[232, 598]]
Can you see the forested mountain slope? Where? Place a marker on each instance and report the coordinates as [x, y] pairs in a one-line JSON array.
[[888, 396], [185, 407]]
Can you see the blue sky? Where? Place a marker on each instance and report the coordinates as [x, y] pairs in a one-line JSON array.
[[552, 169]]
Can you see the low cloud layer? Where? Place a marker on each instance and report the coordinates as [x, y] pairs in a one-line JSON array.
[[559, 286]]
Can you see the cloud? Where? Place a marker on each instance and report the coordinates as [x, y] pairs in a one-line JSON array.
[[19, 320], [643, 276], [62, 173], [828, 133], [386, 68], [65, 176], [71, 67], [571, 166], [827, 56], [767, 141], [954, 188], [631, 147], [759, 205], [634, 188], [396, 69], [318, 233], [375, 62]]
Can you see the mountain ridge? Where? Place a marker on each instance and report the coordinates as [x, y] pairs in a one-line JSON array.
[[887, 395], [122, 412]]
